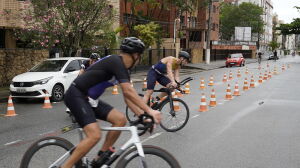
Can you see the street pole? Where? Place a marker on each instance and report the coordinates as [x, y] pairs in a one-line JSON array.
[[207, 54]]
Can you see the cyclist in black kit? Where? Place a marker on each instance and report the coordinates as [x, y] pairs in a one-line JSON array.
[[93, 58], [104, 70]]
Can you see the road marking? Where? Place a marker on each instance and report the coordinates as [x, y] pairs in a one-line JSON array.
[[152, 136], [196, 116], [13, 142]]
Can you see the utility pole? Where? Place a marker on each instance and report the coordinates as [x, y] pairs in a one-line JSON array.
[[207, 54]]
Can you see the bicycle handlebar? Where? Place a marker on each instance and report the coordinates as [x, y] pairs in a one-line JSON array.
[[146, 121], [183, 82]]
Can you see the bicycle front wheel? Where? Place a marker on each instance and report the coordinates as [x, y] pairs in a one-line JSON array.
[[155, 157], [45, 152], [174, 119]]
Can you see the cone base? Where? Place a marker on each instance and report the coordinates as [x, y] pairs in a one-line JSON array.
[[11, 115], [47, 106]]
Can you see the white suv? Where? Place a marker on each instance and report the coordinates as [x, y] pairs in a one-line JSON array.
[[53, 76]]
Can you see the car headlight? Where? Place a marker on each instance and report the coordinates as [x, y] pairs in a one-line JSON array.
[[42, 81]]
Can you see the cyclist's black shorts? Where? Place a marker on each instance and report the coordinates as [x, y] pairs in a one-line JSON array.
[[153, 76], [79, 106]]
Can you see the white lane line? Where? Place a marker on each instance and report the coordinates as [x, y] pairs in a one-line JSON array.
[[196, 116], [13, 142], [152, 136]]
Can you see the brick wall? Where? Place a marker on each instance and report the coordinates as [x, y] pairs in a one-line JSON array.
[[17, 61]]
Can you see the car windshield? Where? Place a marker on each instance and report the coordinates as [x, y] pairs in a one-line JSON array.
[[235, 55], [49, 66]]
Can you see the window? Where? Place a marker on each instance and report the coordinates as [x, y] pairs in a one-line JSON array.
[[195, 36], [75, 64]]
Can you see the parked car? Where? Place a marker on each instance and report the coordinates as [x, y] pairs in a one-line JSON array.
[[236, 59], [52, 76], [271, 56]]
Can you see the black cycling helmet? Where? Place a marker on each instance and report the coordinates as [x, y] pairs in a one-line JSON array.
[[94, 56], [185, 55], [132, 45]]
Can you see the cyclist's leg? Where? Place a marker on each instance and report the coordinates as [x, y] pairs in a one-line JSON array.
[[164, 81], [151, 80], [79, 105], [106, 112]]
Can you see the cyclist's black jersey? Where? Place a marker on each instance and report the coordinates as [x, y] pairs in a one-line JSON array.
[[101, 71], [85, 64]]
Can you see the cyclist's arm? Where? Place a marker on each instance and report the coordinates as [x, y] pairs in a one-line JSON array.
[[81, 71], [176, 74], [169, 70], [131, 96]]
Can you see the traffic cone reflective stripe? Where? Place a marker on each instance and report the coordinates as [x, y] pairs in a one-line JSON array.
[[176, 104], [10, 108], [265, 76], [115, 90], [213, 101], [47, 103], [236, 90], [211, 81], [246, 87], [145, 84], [225, 78], [252, 84], [246, 72], [178, 93], [187, 88], [275, 70], [203, 106], [202, 85], [228, 93]]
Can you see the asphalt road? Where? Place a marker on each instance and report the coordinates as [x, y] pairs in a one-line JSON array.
[[259, 129]]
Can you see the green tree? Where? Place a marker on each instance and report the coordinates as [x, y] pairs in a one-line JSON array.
[[149, 33], [72, 24], [274, 45], [244, 15]]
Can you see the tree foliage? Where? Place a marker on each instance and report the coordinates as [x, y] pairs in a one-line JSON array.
[[244, 15], [290, 28], [73, 24], [149, 33], [274, 45]]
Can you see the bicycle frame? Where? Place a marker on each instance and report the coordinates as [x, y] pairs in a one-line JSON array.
[[133, 141]]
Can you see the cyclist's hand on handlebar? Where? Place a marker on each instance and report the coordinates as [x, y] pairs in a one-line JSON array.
[[156, 115], [174, 84]]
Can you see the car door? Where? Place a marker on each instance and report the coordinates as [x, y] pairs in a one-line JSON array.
[[71, 72]]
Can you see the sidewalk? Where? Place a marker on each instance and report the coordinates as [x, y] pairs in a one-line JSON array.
[[140, 73]]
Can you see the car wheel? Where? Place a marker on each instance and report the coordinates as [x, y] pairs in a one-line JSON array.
[[244, 64], [57, 93]]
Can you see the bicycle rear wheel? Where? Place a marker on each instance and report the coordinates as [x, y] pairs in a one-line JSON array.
[[131, 116], [176, 118], [45, 152], [155, 157]]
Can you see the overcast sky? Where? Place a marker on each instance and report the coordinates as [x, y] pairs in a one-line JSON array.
[[285, 9]]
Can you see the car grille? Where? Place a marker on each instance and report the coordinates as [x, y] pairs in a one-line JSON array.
[[23, 84], [35, 93]]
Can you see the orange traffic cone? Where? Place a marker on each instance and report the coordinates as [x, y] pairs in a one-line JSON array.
[[252, 83], [176, 103], [211, 81], [213, 101], [115, 90], [259, 67], [283, 67], [230, 76], [47, 103], [203, 106], [238, 73], [187, 88], [144, 84], [10, 108], [228, 93], [275, 71], [246, 72], [202, 85], [260, 80], [270, 75], [246, 87], [268, 65], [225, 78], [236, 90], [265, 76]]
